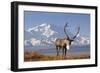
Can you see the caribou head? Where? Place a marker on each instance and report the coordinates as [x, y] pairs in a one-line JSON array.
[[64, 43]]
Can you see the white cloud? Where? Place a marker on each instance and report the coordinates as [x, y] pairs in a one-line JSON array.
[[48, 41], [34, 41]]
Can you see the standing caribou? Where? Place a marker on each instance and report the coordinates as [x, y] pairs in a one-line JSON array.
[[64, 43]]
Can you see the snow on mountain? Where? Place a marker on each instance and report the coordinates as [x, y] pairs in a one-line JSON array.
[[45, 35], [40, 35], [49, 41], [44, 29], [84, 40]]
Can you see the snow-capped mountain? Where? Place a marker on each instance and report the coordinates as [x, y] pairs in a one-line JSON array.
[[44, 29], [45, 35], [40, 35], [84, 40]]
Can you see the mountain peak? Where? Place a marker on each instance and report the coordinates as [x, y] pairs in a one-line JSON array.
[[44, 24], [44, 29]]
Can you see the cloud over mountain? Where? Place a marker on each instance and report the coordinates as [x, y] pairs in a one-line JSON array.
[[34, 41]]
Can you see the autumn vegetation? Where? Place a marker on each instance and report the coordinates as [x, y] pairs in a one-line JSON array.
[[35, 56]]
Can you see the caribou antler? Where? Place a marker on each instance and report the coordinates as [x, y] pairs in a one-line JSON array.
[[76, 33], [65, 30]]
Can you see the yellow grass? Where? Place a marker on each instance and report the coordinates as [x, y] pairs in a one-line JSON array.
[[35, 56]]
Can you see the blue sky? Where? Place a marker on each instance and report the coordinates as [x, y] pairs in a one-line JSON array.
[[32, 19]]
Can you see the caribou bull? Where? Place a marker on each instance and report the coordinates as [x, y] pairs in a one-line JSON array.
[[64, 43]]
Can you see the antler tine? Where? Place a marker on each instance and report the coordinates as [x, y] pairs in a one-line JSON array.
[[66, 25], [77, 33]]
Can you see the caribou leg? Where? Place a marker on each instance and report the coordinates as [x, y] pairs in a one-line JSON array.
[[57, 49], [65, 51]]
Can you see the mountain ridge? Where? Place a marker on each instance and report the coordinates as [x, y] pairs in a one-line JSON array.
[[44, 35]]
